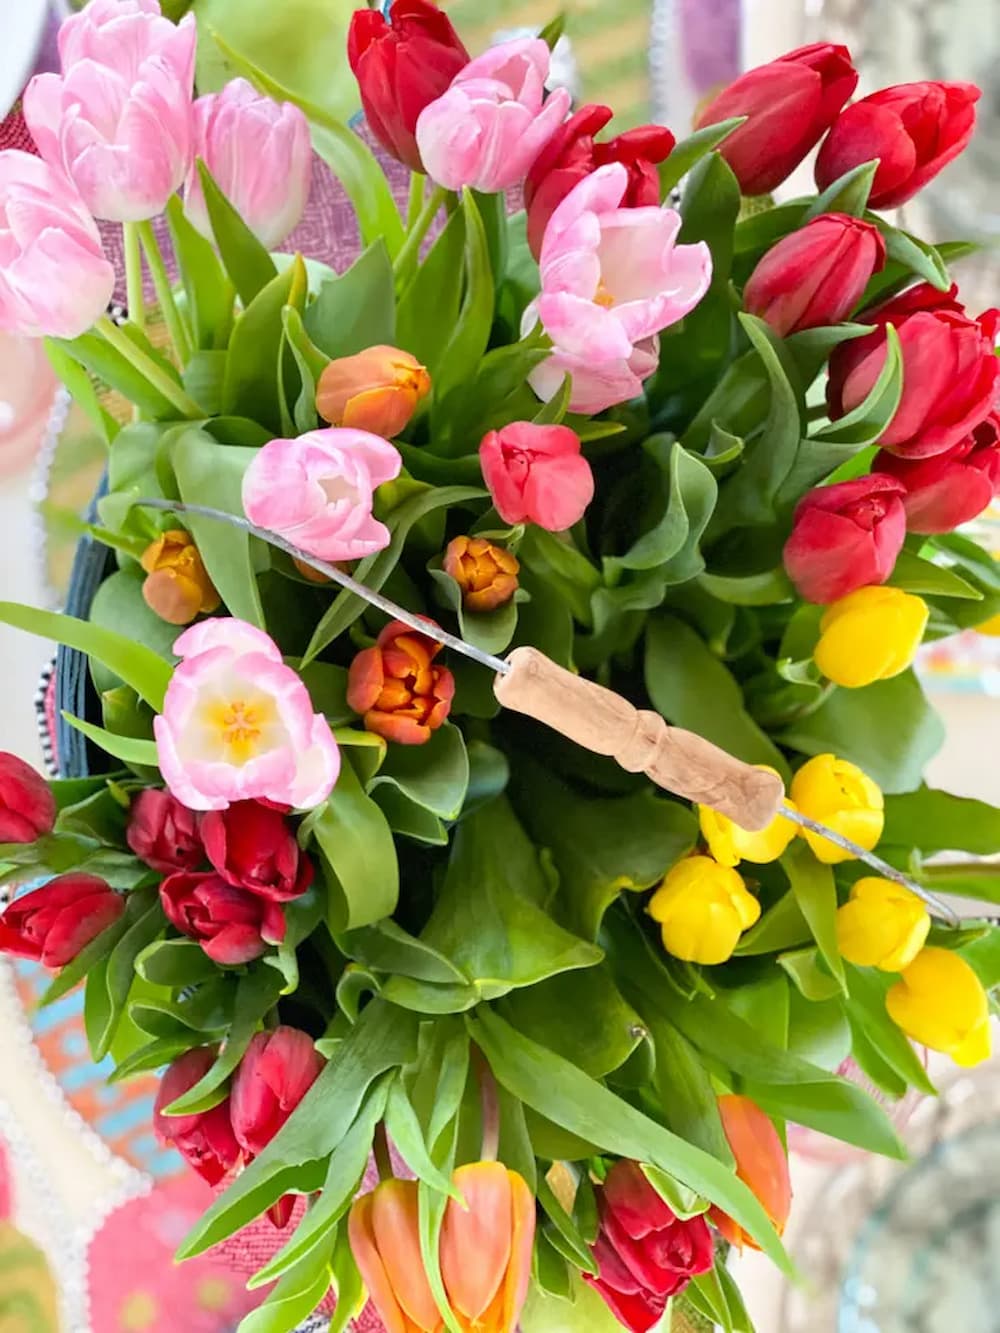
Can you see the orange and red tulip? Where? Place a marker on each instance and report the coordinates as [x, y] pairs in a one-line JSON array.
[[761, 1163]]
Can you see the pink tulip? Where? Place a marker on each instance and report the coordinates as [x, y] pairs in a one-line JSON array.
[[487, 129], [537, 474], [118, 119], [612, 278], [317, 491], [238, 724], [54, 278], [260, 155]]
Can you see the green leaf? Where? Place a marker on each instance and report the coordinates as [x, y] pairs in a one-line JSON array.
[[387, 947], [212, 474], [93, 955], [81, 388], [693, 689], [812, 981], [469, 337], [557, 1089], [816, 894], [355, 847], [937, 821], [915, 255], [565, 570], [848, 194], [310, 363], [248, 264], [144, 921], [691, 150], [867, 1010], [865, 424], [765, 589], [138, 666], [435, 775], [914, 574], [126, 748], [174, 963], [351, 1293], [253, 359], [383, 1038], [490, 631], [500, 936], [208, 291], [888, 729], [579, 1310], [296, 1295], [356, 309], [563, 1232], [428, 307], [93, 351], [408, 1139]]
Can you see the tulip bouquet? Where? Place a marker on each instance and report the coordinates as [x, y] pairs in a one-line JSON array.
[[711, 457]]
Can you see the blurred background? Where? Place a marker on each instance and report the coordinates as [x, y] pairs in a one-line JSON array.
[[878, 1244]]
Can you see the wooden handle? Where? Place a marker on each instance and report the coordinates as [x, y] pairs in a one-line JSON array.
[[604, 722]]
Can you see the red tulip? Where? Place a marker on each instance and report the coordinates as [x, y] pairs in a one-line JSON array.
[[790, 103], [845, 536], [253, 846], [206, 1140], [231, 924], [396, 686], [949, 489], [52, 924], [913, 129], [645, 1253], [571, 154], [761, 1163], [277, 1071], [164, 833], [27, 806], [402, 64], [950, 370], [816, 275]]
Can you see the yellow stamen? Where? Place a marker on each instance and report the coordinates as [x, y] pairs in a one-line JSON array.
[[603, 296], [240, 724]]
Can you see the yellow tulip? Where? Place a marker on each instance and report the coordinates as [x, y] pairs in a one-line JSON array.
[[990, 627], [703, 909], [838, 794], [940, 1002], [883, 925], [871, 634], [730, 844]]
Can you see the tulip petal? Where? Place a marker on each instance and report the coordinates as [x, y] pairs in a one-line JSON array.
[[476, 1240], [395, 1228], [361, 1233]]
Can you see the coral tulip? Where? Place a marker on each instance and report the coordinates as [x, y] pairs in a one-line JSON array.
[[52, 924], [702, 909], [27, 806], [537, 474], [940, 1002], [845, 536], [164, 833], [402, 695], [883, 925], [489, 127], [837, 793], [238, 724], [377, 390], [485, 573], [177, 586], [318, 490], [789, 104], [912, 129], [761, 1163], [952, 488], [274, 1075], [730, 844]]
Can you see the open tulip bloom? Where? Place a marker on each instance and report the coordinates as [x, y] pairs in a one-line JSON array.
[[346, 905]]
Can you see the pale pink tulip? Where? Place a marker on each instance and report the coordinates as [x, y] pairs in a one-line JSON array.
[[537, 474], [54, 278], [317, 491], [118, 119], [612, 278], [259, 153], [238, 724], [487, 129]]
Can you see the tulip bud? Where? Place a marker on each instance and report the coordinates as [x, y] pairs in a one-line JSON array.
[[952, 488], [761, 1163], [177, 586], [940, 1002], [231, 924], [164, 833], [377, 390], [883, 925], [845, 536], [950, 370], [401, 64], [644, 1252], [252, 845], [397, 688], [206, 1139], [912, 129], [537, 474], [277, 1071], [871, 634], [486, 574], [837, 793], [52, 924], [27, 806], [730, 844], [815, 275], [703, 909], [789, 104]]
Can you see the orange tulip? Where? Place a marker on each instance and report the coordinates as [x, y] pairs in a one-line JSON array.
[[177, 586], [486, 574], [377, 390], [485, 1252], [761, 1163], [395, 685]]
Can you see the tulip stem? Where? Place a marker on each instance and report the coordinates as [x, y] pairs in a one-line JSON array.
[[416, 199], [164, 292], [407, 258], [154, 375], [491, 1108], [134, 297], [380, 1148]]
